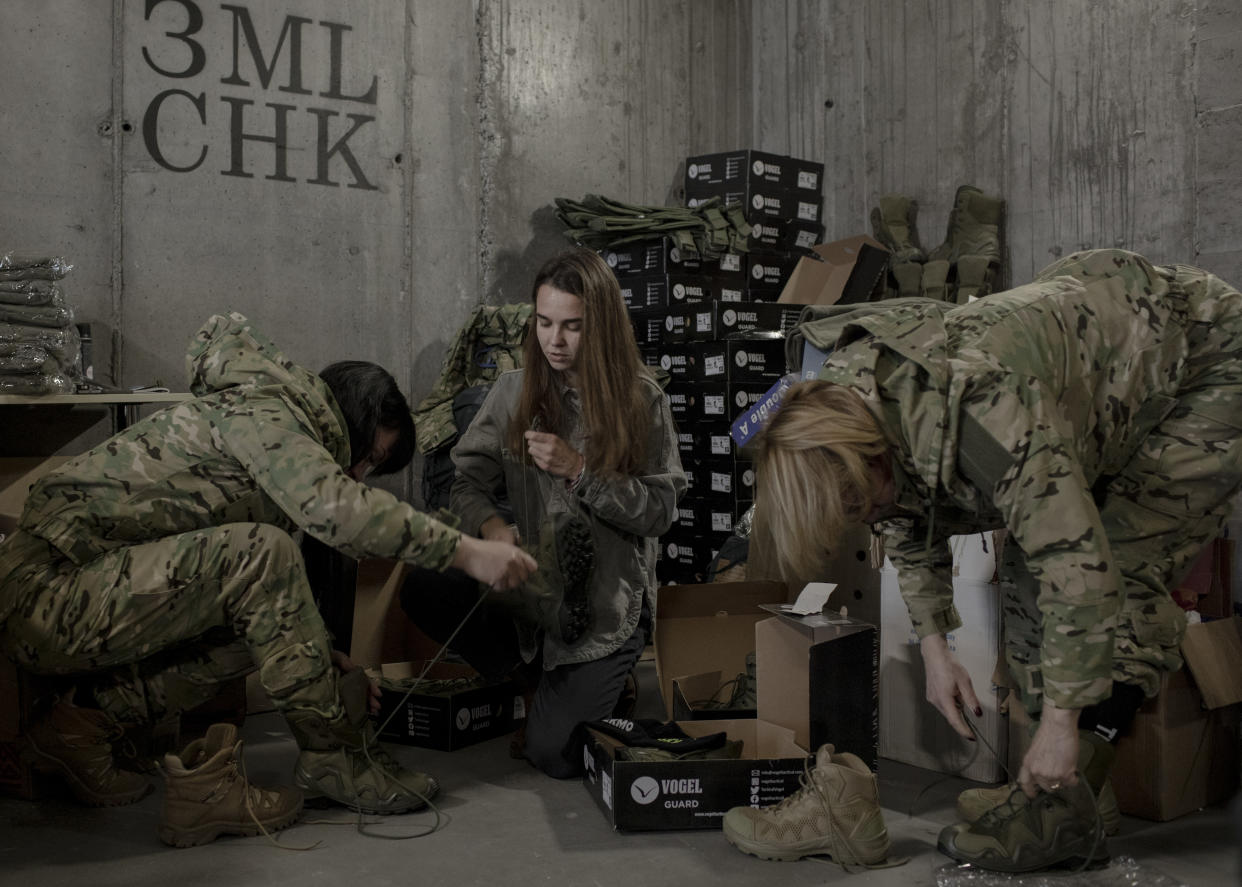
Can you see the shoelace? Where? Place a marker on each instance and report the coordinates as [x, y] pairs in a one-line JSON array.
[[810, 783]]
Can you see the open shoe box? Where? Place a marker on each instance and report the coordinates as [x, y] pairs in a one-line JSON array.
[[387, 643], [703, 632]]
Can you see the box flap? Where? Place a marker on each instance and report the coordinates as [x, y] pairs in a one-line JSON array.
[[375, 599], [700, 628], [850, 268], [1213, 653]]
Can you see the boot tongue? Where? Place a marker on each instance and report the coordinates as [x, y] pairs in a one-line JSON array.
[[823, 757], [219, 736], [355, 695]]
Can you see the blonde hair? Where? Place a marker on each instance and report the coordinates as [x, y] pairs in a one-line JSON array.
[[610, 370], [816, 472]]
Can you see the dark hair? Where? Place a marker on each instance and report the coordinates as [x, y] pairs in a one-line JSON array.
[[370, 399]]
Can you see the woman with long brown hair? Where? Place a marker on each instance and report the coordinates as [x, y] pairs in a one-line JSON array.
[[575, 452]]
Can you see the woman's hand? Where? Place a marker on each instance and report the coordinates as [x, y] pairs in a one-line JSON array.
[[553, 455], [501, 565], [948, 684], [1051, 762], [494, 529]]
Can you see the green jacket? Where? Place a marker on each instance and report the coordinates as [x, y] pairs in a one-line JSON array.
[[263, 441], [1005, 412]]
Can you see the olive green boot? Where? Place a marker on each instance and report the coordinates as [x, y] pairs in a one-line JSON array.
[[967, 265], [343, 761], [77, 743], [1021, 834], [208, 794], [836, 813], [974, 802], [557, 598], [894, 225]]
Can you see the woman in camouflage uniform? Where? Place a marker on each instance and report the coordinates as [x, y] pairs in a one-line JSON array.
[[1096, 415]]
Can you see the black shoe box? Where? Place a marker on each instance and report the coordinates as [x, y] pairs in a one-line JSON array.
[[726, 479], [754, 168], [658, 255], [742, 357], [696, 441], [710, 321], [784, 234], [762, 204], [771, 269], [449, 720]]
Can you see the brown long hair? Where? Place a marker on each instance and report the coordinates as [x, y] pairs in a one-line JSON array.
[[815, 472], [609, 370]]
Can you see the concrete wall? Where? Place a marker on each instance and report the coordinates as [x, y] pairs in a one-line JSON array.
[[1103, 124], [421, 142]]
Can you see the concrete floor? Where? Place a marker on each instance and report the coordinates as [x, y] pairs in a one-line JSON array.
[[506, 824]]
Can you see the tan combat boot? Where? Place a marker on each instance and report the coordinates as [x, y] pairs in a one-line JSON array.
[[77, 743], [208, 794], [836, 812]]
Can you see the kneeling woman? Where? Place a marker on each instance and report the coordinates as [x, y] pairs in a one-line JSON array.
[[576, 452]]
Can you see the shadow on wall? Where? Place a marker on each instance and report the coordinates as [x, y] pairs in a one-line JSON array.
[[515, 271]]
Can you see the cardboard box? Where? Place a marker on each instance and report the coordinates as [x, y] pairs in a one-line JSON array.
[[1178, 756], [645, 796], [852, 270], [703, 628], [912, 730], [446, 717], [706, 696], [818, 676]]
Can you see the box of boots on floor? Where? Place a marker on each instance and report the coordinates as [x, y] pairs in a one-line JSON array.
[[816, 684]]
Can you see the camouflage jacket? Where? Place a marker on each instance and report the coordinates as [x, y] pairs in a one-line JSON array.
[[263, 440], [626, 513], [1004, 413], [488, 344]]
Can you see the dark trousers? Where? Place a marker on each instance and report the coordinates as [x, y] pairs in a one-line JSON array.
[[565, 696]]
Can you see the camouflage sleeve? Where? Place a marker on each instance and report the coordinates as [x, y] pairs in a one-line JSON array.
[[292, 468], [644, 504], [1047, 507], [924, 571]]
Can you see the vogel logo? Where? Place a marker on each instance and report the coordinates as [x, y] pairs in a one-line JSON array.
[[463, 718], [611, 259], [644, 790]]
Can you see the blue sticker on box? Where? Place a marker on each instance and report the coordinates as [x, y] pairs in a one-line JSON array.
[[749, 424]]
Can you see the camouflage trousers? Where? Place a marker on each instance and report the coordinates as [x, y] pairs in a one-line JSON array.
[[153, 629], [1171, 499]]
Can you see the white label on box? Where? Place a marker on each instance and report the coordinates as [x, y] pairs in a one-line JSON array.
[[722, 522], [714, 404], [807, 179], [720, 445], [605, 788], [730, 262], [722, 482], [728, 294], [805, 239], [702, 321], [808, 211], [714, 365]]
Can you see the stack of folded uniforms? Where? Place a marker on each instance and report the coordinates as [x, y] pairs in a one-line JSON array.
[[39, 344]]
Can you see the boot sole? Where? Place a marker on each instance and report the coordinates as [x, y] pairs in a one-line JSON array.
[[209, 831], [47, 763], [319, 795], [575, 555], [792, 853], [1070, 860]]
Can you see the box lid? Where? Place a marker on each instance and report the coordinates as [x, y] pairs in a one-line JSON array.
[[826, 279], [1213, 653]]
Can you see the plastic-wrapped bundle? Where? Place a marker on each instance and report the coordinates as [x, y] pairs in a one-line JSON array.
[[64, 344], [19, 266], [37, 315], [31, 292], [36, 383], [26, 359]]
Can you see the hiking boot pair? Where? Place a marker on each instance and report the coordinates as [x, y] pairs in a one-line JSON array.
[[1021, 834], [557, 598], [836, 812], [207, 794], [343, 761]]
